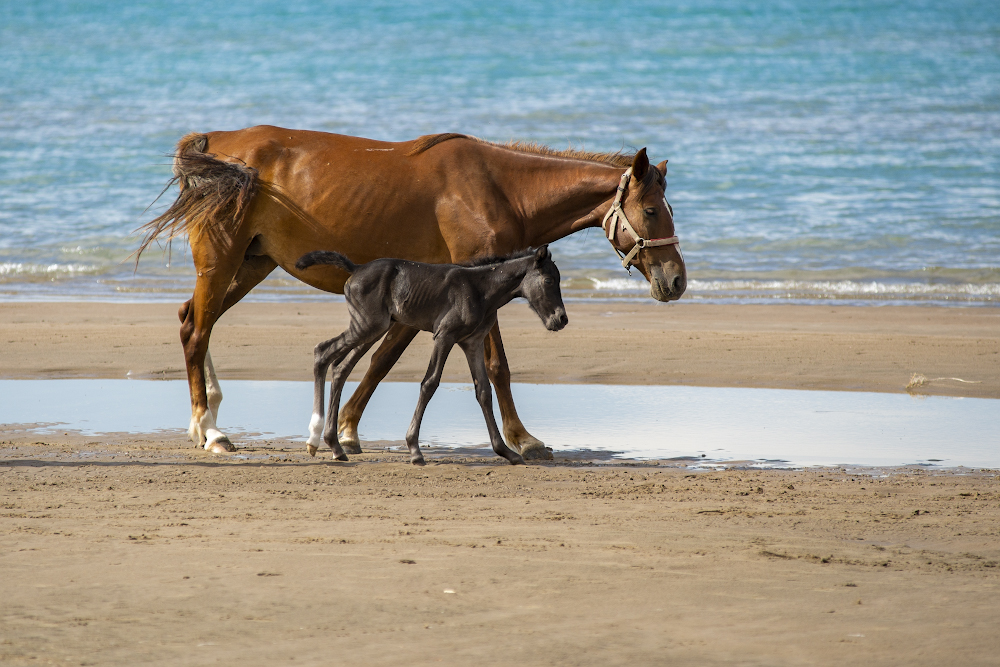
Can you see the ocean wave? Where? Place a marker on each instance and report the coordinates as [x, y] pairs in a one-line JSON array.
[[751, 290], [27, 272], [845, 287]]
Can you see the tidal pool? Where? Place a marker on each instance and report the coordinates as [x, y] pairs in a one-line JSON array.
[[761, 427]]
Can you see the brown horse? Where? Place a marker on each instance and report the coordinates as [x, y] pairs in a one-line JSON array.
[[254, 199]]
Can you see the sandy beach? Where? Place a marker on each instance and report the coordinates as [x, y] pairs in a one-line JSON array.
[[789, 347], [140, 549]]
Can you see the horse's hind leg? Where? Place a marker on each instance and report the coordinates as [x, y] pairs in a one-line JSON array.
[[250, 273], [218, 269], [499, 373], [385, 357], [474, 353]]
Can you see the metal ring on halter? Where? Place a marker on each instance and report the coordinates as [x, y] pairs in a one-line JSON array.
[[616, 213]]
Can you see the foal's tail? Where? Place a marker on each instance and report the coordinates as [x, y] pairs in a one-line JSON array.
[[214, 196], [325, 257]]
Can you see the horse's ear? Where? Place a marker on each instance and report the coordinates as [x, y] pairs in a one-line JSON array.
[[640, 164], [542, 254], [662, 168]]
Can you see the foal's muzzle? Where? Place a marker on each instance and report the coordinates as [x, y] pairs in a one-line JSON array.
[[557, 320]]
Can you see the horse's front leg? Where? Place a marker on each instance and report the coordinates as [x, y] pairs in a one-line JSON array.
[[477, 364], [383, 360], [499, 373], [432, 379]]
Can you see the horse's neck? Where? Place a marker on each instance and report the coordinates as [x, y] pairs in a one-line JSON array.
[[555, 197]]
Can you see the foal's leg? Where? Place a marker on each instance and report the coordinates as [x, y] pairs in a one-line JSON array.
[[383, 360], [328, 352], [427, 388], [340, 374], [474, 353], [499, 373]]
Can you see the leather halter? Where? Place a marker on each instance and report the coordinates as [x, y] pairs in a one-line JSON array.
[[616, 213]]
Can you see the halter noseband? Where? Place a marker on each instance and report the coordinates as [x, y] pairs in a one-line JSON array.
[[616, 213]]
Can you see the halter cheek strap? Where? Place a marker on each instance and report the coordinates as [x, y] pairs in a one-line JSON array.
[[616, 215]]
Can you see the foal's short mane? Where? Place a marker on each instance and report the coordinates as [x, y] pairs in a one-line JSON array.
[[617, 159], [496, 259]]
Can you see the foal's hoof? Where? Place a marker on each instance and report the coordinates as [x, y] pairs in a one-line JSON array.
[[419, 461], [516, 460], [536, 451], [311, 449], [221, 446], [340, 457]]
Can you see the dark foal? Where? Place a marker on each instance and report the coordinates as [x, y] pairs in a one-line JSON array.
[[458, 304]]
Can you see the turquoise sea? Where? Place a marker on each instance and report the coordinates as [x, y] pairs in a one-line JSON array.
[[842, 152]]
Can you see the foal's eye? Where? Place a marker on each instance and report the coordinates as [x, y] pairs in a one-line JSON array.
[[651, 211]]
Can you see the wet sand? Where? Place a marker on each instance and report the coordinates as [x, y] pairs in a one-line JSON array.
[[788, 347], [126, 549]]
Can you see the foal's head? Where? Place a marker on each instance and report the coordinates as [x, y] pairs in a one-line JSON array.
[[541, 288]]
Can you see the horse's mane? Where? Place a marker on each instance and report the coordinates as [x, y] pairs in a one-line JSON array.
[[616, 159], [496, 259]]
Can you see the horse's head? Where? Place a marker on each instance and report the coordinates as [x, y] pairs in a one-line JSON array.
[[645, 234], [541, 288]]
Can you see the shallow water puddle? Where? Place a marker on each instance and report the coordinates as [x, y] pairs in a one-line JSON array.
[[769, 427]]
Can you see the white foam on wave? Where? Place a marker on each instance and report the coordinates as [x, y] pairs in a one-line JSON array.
[[29, 270], [846, 287], [813, 289]]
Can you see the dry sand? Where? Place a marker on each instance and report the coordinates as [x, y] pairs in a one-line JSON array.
[[133, 549]]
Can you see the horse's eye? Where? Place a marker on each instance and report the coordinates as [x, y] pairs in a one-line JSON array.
[[651, 211]]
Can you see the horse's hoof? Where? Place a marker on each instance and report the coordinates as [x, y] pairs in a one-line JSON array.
[[350, 444], [536, 451], [311, 449], [516, 461], [221, 446], [418, 461], [341, 457]]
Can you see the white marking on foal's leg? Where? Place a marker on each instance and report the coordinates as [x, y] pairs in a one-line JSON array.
[[315, 433], [212, 388]]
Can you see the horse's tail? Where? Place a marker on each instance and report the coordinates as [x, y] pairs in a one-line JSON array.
[[325, 257], [214, 196]]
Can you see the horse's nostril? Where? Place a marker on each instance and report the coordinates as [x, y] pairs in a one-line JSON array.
[[677, 285], [563, 319]]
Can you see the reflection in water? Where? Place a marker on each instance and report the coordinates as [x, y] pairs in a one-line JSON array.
[[771, 427]]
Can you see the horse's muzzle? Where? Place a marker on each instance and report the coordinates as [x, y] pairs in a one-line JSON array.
[[667, 286]]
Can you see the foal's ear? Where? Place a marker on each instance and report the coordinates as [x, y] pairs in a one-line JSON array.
[[640, 164], [662, 168], [542, 254]]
